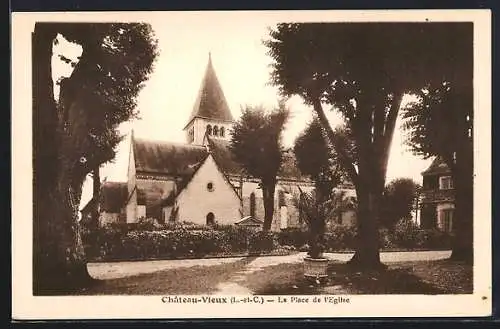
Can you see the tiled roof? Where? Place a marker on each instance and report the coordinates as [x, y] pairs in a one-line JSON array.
[[166, 158], [249, 221], [438, 166], [113, 196], [222, 155], [211, 102]]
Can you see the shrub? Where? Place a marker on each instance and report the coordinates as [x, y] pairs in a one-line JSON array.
[[118, 242], [261, 242], [406, 234], [293, 237], [340, 237]]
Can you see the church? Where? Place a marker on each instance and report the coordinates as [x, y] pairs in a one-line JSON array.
[[198, 181]]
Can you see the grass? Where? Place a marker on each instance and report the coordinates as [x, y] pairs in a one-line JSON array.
[[422, 277], [187, 280], [431, 277]]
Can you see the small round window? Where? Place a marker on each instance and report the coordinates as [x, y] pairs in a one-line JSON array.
[[210, 186]]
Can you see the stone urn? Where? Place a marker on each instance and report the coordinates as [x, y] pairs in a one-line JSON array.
[[315, 267]]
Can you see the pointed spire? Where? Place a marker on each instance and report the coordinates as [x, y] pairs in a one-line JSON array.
[[211, 102]]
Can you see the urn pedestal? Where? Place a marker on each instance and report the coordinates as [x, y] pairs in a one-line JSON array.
[[315, 267]]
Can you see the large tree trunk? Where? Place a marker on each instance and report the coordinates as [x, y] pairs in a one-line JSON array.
[[463, 227], [268, 189], [58, 258], [367, 255]]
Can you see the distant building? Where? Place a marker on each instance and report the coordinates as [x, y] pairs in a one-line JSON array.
[[199, 181], [437, 198]]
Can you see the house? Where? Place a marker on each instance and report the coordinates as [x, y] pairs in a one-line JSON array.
[[112, 196], [198, 181], [437, 197]]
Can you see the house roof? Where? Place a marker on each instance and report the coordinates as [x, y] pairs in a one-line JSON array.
[[438, 166], [249, 221], [166, 158], [112, 196], [211, 102]]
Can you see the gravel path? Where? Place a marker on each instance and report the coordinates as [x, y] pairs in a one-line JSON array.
[[115, 270]]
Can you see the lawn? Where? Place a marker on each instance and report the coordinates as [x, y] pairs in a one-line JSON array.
[[431, 277], [185, 280], [420, 277]]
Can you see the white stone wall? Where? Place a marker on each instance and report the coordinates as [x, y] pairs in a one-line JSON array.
[[200, 126], [196, 201], [106, 218]]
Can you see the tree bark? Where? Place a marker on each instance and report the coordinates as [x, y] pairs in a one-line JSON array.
[[268, 189], [463, 226], [58, 259]]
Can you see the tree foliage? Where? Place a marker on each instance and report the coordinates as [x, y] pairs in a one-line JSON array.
[[399, 201], [363, 70], [440, 124], [317, 159], [256, 144], [76, 133]]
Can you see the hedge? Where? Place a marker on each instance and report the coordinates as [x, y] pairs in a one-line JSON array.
[[143, 241], [121, 242]]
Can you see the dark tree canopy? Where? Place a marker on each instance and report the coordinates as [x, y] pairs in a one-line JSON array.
[[399, 201], [341, 61], [363, 70], [439, 122], [76, 133], [257, 143], [317, 159], [116, 61]]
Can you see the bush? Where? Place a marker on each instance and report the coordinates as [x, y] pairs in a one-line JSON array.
[[119, 242], [261, 242], [340, 237], [406, 234], [293, 237]]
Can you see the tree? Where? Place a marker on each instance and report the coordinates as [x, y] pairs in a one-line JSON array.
[[77, 132], [399, 200], [363, 70], [256, 145], [440, 123], [315, 160]]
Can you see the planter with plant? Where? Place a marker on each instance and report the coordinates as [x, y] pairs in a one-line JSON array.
[[316, 211]]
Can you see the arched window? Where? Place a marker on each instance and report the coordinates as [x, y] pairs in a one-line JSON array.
[[222, 132], [252, 204], [216, 131], [209, 130], [210, 219]]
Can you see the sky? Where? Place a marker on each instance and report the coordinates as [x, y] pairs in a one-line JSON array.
[[243, 69]]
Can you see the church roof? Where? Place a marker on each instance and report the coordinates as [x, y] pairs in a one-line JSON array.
[[112, 196], [166, 158], [438, 166], [211, 102], [249, 221], [222, 154]]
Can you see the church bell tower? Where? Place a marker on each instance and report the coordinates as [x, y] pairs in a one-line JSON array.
[[211, 114]]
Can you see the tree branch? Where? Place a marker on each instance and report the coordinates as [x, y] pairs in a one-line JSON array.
[[346, 160]]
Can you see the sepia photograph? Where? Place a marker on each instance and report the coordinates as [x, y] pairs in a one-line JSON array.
[[224, 164]]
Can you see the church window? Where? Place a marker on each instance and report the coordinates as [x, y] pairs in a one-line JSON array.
[[216, 131], [221, 132], [209, 130], [252, 204], [210, 187], [210, 219]]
